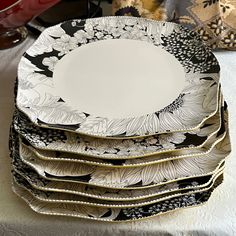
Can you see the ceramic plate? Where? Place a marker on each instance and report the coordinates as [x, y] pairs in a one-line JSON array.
[[37, 182], [75, 199], [115, 214], [111, 77], [132, 177], [58, 140], [81, 189], [121, 163]]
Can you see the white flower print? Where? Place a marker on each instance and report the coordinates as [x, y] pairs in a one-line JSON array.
[[112, 148], [50, 62], [99, 35], [89, 26], [102, 26], [65, 44], [168, 141], [186, 109], [83, 36], [136, 34], [151, 140], [108, 37], [31, 74], [196, 104], [116, 32], [43, 44], [128, 28], [124, 177], [101, 148]]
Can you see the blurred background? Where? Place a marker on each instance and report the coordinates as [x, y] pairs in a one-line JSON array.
[[70, 9], [18, 18]]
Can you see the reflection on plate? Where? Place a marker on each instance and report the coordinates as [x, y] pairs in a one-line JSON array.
[[42, 97]]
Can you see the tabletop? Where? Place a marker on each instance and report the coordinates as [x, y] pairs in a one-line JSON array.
[[217, 217]]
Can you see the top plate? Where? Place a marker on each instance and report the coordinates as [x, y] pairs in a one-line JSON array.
[[118, 77]]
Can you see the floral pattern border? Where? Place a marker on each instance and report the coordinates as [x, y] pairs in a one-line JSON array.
[[59, 140], [111, 214], [37, 98], [130, 178], [50, 196]]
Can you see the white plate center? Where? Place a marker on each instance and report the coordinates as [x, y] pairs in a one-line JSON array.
[[118, 78]]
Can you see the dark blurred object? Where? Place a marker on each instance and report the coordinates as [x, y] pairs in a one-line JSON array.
[[14, 14], [70, 9]]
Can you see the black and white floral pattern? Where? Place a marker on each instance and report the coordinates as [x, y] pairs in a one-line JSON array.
[[38, 99], [74, 198], [30, 186], [129, 177], [36, 202], [180, 44], [22, 169], [59, 140], [43, 184]]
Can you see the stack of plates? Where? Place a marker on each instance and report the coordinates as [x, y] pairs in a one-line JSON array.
[[118, 119]]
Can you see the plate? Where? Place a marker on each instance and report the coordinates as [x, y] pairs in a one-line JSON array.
[[58, 140], [76, 199], [115, 214], [118, 79], [123, 163], [82, 189], [132, 177], [141, 161], [37, 182]]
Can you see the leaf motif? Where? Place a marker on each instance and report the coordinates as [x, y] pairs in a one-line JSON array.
[[131, 176], [55, 31], [116, 177], [25, 152], [186, 166], [54, 167], [134, 126], [117, 126], [94, 125], [148, 174], [29, 72], [153, 123], [105, 177], [66, 169], [70, 186], [43, 44], [168, 170], [58, 113]]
